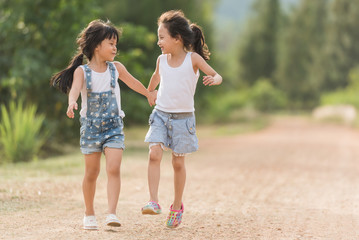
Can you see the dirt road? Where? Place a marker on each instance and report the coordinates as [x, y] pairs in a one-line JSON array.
[[293, 180]]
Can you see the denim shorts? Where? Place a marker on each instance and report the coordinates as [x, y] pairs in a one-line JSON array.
[[176, 131], [96, 134]]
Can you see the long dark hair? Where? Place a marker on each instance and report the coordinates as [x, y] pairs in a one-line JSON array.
[[87, 41], [191, 34]]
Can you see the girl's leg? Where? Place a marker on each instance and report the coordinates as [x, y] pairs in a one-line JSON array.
[[113, 165], [154, 168], [92, 169], [179, 180]]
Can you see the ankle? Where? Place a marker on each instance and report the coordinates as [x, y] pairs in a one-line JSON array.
[[153, 200], [176, 206], [89, 213]]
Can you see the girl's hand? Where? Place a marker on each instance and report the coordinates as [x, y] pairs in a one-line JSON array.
[[70, 109], [152, 96], [210, 80]]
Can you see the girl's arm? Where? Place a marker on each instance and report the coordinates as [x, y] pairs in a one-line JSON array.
[[75, 91], [134, 84], [212, 78], [155, 79]]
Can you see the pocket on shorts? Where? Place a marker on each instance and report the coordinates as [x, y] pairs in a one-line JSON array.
[[151, 118], [118, 122], [191, 125], [83, 126], [82, 130]]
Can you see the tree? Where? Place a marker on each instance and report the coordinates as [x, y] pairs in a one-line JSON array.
[[258, 51], [341, 49], [37, 39], [301, 47]]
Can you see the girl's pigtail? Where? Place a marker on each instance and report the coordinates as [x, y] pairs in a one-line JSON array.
[[63, 80], [199, 44]]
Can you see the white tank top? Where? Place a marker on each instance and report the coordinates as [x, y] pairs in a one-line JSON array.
[[177, 86], [101, 82]]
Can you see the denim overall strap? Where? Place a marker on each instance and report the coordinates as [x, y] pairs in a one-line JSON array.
[[88, 78], [113, 76]]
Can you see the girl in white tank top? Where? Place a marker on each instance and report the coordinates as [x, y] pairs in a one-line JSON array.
[[172, 122], [178, 86]]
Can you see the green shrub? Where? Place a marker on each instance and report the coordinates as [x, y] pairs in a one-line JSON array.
[[245, 104], [348, 95], [221, 108], [20, 135], [344, 96], [266, 98]]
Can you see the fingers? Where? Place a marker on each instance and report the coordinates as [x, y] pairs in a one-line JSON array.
[[70, 113], [208, 80], [152, 98], [70, 110]]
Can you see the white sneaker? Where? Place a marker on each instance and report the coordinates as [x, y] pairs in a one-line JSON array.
[[90, 223], [112, 220]]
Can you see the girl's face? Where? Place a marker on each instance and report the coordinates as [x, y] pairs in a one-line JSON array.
[[107, 49], [165, 41]]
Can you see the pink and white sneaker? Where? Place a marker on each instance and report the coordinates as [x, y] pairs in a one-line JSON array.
[[174, 218], [151, 208]]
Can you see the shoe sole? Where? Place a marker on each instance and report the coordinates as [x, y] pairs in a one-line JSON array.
[[172, 226], [114, 224], [90, 228], [150, 212]]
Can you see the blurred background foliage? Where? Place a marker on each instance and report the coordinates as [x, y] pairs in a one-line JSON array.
[[274, 55]]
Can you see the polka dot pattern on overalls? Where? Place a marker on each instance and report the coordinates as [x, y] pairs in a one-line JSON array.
[[102, 127]]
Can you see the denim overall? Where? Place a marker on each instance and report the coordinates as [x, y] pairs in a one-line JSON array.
[[102, 127]]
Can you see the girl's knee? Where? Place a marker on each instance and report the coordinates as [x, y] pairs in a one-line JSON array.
[[155, 154], [91, 174], [178, 163], [113, 169]]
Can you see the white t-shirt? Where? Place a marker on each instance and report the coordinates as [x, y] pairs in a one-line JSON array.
[[101, 82], [177, 86]]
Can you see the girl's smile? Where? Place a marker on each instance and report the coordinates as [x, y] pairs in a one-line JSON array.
[[165, 41]]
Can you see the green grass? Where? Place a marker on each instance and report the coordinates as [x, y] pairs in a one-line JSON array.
[[230, 129], [64, 165]]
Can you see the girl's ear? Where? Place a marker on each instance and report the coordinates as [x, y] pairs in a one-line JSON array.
[[97, 48], [178, 38]]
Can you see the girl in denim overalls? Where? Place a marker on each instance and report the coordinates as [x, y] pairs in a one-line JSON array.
[[172, 122], [101, 114]]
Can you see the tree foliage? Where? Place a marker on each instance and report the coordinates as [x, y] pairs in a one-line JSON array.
[[301, 47], [258, 51], [304, 52], [342, 49], [37, 39]]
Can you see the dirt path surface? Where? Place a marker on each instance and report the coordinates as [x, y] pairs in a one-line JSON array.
[[293, 180]]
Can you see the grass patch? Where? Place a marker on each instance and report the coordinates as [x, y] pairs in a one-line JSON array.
[[231, 129], [57, 166]]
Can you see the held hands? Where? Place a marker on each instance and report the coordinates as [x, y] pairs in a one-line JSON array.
[[70, 110], [152, 96]]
